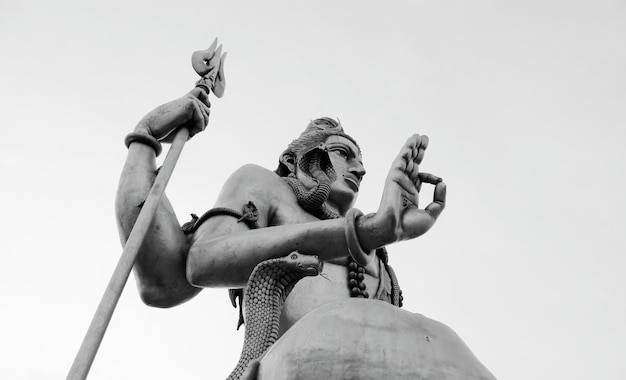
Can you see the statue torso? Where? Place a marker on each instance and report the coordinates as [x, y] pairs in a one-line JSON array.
[[311, 292]]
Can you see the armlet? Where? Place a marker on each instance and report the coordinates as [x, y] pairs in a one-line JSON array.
[[249, 214]]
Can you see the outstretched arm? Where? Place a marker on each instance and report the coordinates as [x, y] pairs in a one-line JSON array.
[[224, 252], [160, 265]]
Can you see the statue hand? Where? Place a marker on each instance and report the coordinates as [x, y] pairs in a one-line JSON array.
[[399, 215], [191, 111]]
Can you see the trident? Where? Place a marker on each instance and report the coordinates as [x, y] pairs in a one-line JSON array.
[[209, 64]]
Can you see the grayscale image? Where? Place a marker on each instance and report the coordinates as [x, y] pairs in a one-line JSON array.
[[313, 190]]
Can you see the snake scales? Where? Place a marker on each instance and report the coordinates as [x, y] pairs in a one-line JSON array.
[[317, 166], [269, 285]]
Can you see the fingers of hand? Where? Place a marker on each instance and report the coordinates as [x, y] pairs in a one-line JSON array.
[[199, 117], [421, 149], [407, 187], [200, 95], [413, 142], [415, 159], [435, 208], [405, 171], [429, 178], [412, 172], [414, 152], [407, 153], [409, 167], [415, 148]]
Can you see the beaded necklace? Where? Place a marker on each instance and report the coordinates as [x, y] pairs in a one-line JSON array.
[[356, 277], [356, 273]]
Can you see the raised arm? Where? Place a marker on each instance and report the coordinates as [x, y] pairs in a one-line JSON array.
[[399, 217], [160, 265]]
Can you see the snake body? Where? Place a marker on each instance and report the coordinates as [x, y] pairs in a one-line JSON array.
[[317, 166], [269, 285]]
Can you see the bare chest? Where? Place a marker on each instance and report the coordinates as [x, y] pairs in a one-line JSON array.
[[312, 292]]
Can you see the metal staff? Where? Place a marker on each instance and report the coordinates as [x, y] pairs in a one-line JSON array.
[[208, 64]]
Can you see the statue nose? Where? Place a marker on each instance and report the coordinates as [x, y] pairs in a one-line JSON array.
[[358, 171]]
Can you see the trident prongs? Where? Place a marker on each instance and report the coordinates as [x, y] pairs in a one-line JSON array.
[[209, 64]]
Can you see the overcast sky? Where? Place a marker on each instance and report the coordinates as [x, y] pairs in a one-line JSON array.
[[524, 103]]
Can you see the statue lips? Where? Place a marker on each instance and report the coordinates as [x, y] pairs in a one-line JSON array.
[[353, 182]]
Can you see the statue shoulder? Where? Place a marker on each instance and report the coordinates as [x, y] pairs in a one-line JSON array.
[[257, 184], [254, 175]]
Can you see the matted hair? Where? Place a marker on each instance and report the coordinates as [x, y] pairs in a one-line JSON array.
[[313, 135]]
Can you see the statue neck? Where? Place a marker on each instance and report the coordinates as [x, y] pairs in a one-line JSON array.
[[313, 200]]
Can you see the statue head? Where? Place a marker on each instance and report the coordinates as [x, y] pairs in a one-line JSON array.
[[314, 134], [308, 168]]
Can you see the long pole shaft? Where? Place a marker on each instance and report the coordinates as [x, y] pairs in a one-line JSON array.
[[89, 347]]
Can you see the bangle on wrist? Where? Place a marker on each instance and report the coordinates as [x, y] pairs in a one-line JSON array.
[[352, 240], [145, 139]]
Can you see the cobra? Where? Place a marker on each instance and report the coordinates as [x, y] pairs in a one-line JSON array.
[[317, 166], [269, 285]]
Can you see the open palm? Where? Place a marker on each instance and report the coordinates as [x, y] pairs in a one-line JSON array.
[[400, 200]]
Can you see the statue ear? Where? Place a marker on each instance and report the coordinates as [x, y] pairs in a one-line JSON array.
[[287, 164]]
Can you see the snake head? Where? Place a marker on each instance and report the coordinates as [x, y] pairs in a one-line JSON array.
[[315, 160], [306, 265]]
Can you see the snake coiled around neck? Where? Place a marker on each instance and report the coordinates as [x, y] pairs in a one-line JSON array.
[[317, 166]]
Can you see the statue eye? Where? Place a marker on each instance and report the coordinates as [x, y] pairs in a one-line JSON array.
[[342, 152]]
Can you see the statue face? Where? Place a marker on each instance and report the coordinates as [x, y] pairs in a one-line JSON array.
[[348, 164]]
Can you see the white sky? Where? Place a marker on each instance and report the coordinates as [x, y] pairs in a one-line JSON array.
[[524, 103]]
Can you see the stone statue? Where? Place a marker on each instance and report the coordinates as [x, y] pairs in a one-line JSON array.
[[344, 324]]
